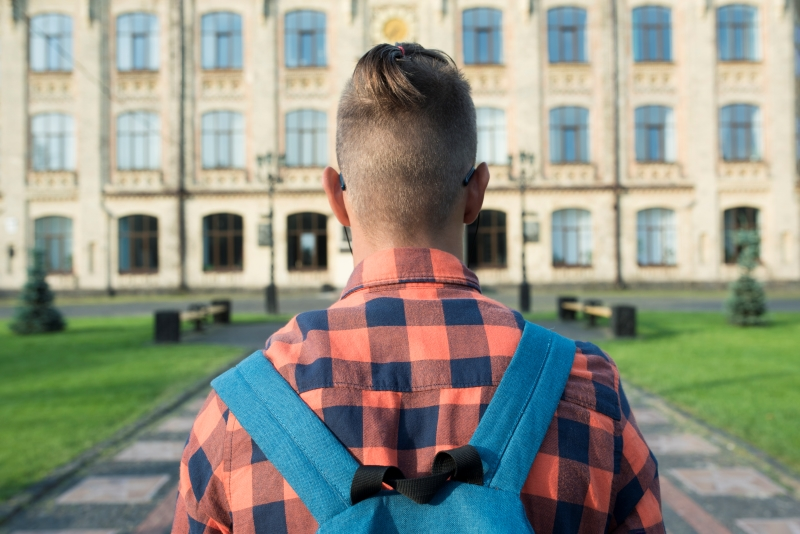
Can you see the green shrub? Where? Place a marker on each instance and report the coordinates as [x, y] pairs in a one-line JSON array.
[[36, 313], [747, 304]]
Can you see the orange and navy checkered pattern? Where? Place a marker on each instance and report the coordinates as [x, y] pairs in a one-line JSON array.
[[401, 367]]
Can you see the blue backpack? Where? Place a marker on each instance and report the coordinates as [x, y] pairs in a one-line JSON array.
[[475, 488]]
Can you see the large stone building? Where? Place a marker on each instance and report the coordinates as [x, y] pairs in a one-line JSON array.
[[140, 139]]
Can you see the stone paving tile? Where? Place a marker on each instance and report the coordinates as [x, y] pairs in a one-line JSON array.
[[111, 490], [152, 451], [679, 444], [194, 406], [176, 424], [770, 526], [65, 531], [649, 416], [735, 482]]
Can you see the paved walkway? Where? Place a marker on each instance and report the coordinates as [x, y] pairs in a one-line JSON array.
[[710, 483]]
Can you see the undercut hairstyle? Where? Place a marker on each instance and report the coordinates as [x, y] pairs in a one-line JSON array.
[[406, 137]]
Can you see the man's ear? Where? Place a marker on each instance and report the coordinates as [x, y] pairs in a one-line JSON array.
[[333, 189], [476, 189]]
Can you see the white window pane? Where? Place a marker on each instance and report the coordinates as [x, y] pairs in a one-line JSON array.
[[209, 156], [238, 150]]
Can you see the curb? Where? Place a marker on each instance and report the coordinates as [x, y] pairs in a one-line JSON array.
[[40, 489]]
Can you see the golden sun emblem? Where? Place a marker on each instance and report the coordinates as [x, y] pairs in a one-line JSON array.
[[395, 30]]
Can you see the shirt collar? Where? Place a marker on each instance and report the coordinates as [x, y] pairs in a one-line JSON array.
[[409, 265]]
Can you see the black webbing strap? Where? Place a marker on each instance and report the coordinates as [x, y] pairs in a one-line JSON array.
[[462, 464]]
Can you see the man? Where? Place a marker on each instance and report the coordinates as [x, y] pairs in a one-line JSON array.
[[405, 363]]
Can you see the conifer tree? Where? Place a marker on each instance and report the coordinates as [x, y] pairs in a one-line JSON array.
[[747, 302], [36, 313]]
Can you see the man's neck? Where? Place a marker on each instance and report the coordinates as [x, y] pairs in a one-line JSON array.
[[449, 240]]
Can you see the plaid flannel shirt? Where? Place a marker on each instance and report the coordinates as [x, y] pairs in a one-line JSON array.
[[401, 367]]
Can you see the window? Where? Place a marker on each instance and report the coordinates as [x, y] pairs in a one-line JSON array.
[[306, 138], [492, 136], [483, 36], [572, 238], [740, 132], [486, 240], [307, 239], [53, 142], [305, 39], [223, 140], [652, 34], [737, 33], [222, 242], [655, 237], [138, 141], [53, 236], [51, 43], [222, 41], [138, 244], [736, 219], [569, 135], [566, 35], [655, 134], [137, 42]]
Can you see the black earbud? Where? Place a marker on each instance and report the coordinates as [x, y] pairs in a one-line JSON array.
[[341, 182], [466, 178]]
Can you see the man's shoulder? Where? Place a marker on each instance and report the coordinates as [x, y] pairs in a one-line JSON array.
[[594, 381]]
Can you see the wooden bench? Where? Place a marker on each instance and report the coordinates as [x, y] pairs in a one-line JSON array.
[[623, 317], [167, 324]]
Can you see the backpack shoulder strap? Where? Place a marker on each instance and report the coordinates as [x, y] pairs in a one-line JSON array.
[[306, 453], [518, 416]]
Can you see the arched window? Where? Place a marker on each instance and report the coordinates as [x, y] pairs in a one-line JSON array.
[[221, 41], [223, 140], [137, 42], [652, 34], [51, 43], [740, 132], [53, 236], [53, 139], [735, 219], [138, 244], [222, 242], [486, 247], [305, 39], [138, 141], [306, 138], [566, 35], [569, 135], [656, 237], [483, 36], [307, 241], [492, 147], [572, 238], [737, 33], [655, 134]]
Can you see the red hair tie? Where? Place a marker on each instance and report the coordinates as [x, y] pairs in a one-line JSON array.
[[402, 50]]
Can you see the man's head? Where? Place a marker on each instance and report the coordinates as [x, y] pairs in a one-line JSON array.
[[406, 137]]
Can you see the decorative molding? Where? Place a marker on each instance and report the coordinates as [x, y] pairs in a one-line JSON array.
[[569, 78], [500, 180], [222, 84], [299, 178], [52, 184], [570, 174], [49, 86], [743, 176], [136, 85], [393, 23], [486, 79], [656, 174], [740, 77], [136, 180], [306, 83], [222, 178], [654, 78]]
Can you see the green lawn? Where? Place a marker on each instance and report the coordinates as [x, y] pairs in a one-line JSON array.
[[744, 380], [62, 393]]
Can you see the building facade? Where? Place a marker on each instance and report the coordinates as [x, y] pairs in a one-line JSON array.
[[161, 144]]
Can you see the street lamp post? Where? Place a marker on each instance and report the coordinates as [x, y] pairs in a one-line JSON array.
[[273, 178], [524, 287]]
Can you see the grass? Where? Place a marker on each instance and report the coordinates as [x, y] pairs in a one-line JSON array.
[[62, 393], [744, 380]]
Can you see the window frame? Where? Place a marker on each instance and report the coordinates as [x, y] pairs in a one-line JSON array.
[[62, 141], [293, 32], [645, 125], [53, 48], [146, 237], [557, 33], [235, 62], [295, 231], [144, 126], [295, 134], [732, 127], [230, 138], [582, 229], [149, 37], [732, 31], [644, 25], [492, 230], [61, 236], [212, 242], [491, 125], [730, 250], [477, 21], [654, 226], [558, 129]]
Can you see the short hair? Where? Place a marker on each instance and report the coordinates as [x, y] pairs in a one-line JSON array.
[[406, 137]]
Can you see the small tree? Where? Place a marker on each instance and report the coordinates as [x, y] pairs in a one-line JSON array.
[[36, 313], [747, 302]]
